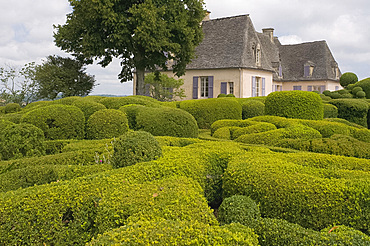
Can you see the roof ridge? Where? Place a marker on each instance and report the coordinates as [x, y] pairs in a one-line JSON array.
[[228, 17]]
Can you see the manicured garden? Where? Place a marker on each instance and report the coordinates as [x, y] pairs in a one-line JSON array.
[[224, 171]]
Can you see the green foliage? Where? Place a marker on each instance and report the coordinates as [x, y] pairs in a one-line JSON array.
[[295, 104], [62, 75], [330, 111], [164, 88], [174, 141], [88, 107], [222, 133], [167, 232], [252, 108], [57, 121], [134, 147], [131, 111], [207, 111], [230, 95], [361, 94], [4, 124], [166, 121], [344, 235], [353, 110], [327, 129], [114, 30], [365, 85], [117, 102], [230, 123], [221, 95], [106, 123], [347, 79], [71, 213], [257, 128], [356, 89], [37, 104], [21, 140], [309, 196], [239, 209], [12, 108]]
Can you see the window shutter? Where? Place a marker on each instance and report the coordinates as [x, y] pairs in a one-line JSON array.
[[253, 86], [263, 86], [309, 88], [195, 87], [147, 90], [223, 87], [281, 88], [210, 87], [322, 88]]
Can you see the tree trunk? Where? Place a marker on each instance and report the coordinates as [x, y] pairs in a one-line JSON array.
[[140, 84]]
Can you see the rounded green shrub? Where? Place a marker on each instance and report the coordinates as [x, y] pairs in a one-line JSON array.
[[356, 89], [4, 124], [12, 108], [167, 232], [131, 111], [343, 91], [295, 104], [239, 209], [257, 128], [330, 111], [236, 123], [230, 95], [166, 121], [38, 104], [347, 79], [57, 121], [222, 133], [350, 87], [117, 102], [88, 107], [221, 95], [353, 110], [252, 108], [134, 147], [207, 111], [21, 140], [365, 85], [67, 100], [361, 94], [106, 123]]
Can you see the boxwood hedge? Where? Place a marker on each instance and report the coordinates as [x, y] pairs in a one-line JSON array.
[[167, 232], [252, 108], [295, 104], [353, 110], [88, 107], [117, 102], [57, 121], [207, 111]]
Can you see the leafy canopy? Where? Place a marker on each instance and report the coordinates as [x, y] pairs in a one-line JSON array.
[[62, 75], [144, 35]]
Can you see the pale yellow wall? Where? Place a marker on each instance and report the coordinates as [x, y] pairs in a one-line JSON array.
[[247, 82], [329, 85]]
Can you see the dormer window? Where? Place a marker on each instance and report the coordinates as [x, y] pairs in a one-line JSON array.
[[308, 69]]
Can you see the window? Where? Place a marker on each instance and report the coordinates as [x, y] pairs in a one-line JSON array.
[[231, 88], [257, 55], [278, 88], [297, 88], [308, 69], [258, 86], [258, 81], [337, 88], [204, 87]]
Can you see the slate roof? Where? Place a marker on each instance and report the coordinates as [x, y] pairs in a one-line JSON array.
[[316, 54], [231, 42]]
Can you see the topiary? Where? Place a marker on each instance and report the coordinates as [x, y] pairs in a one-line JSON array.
[[20, 140], [88, 107], [12, 108], [131, 111], [356, 89], [207, 111], [117, 102], [166, 121], [106, 123], [252, 108], [222, 133], [347, 79], [239, 209], [365, 85], [360, 94], [57, 121], [330, 111], [295, 104], [67, 100], [353, 110], [230, 95], [134, 147], [221, 95]]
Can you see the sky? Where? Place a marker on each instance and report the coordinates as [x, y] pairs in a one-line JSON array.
[[26, 31]]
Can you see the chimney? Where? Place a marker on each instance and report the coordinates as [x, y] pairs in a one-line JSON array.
[[269, 32], [208, 16]]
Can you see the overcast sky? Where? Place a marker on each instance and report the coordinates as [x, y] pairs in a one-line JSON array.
[[26, 31]]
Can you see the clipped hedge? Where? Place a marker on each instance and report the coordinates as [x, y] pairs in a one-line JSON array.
[[168, 232], [365, 85], [88, 107], [117, 102], [239, 209], [207, 111], [166, 121], [131, 111], [73, 212], [330, 111], [174, 141], [231, 123], [21, 140], [134, 147], [311, 197], [353, 110], [12, 108], [57, 121], [106, 123], [257, 128], [252, 108], [295, 104]]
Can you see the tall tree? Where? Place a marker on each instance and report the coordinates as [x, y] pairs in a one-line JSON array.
[[62, 75], [143, 34], [164, 88]]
